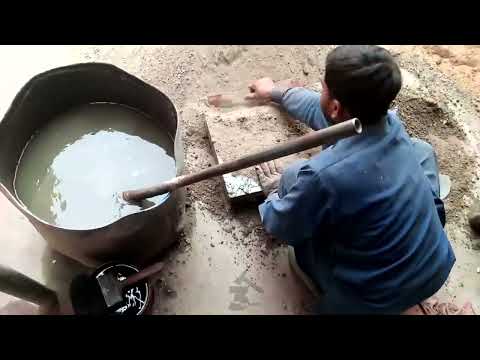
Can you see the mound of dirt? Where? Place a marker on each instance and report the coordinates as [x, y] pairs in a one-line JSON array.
[[423, 116], [430, 121], [462, 62]]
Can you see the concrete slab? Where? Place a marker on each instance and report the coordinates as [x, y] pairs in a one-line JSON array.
[[236, 133]]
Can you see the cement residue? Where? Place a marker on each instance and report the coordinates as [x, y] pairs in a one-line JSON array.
[[221, 264]]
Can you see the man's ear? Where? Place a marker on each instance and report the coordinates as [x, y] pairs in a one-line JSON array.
[[338, 113], [335, 110]]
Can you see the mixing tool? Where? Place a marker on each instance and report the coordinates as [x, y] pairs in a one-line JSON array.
[[305, 142]]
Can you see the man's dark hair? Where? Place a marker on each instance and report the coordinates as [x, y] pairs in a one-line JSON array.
[[365, 79]]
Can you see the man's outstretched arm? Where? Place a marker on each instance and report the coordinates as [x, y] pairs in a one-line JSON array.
[[300, 103]]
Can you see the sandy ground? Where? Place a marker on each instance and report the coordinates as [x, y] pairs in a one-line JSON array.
[[220, 244]]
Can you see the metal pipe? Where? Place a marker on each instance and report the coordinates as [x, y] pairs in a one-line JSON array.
[[305, 142]]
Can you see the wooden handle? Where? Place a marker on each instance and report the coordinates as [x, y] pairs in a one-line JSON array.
[[143, 274], [16, 284], [305, 142]]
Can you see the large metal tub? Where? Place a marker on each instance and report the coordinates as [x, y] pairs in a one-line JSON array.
[[135, 238]]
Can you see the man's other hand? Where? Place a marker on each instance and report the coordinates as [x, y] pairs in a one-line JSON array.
[[261, 90], [269, 175]]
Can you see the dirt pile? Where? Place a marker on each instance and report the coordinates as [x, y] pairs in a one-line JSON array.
[[462, 62], [429, 120]]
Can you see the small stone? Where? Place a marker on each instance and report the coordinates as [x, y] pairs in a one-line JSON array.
[[170, 292], [478, 270], [212, 245], [246, 232], [54, 261]]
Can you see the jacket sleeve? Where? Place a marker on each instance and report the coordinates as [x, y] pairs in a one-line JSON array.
[[303, 105], [305, 208]]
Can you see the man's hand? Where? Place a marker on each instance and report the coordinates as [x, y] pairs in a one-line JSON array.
[[261, 90], [269, 175]]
